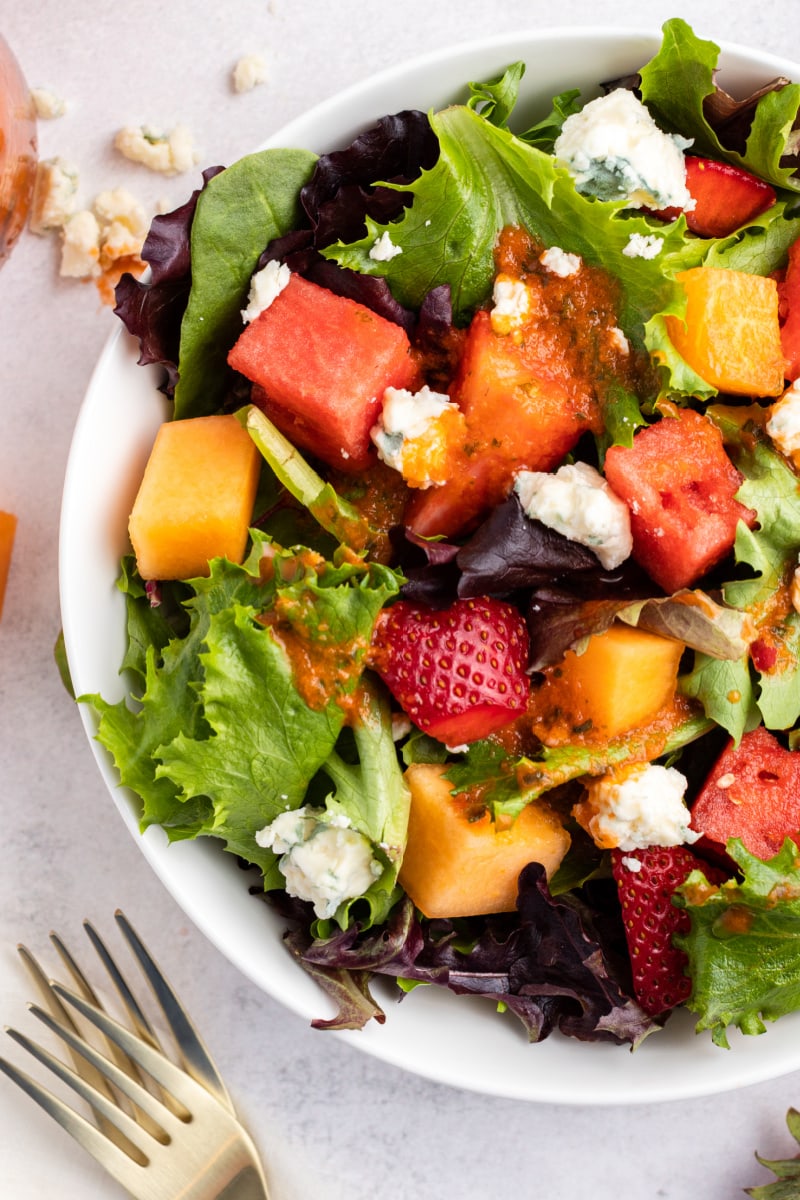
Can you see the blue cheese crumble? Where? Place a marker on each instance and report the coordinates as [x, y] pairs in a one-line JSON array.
[[783, 425], [408, 417], [638, 806], [322, 858], [265, 286], [578, 502], [383, 248], [615, 151], [560, 262]]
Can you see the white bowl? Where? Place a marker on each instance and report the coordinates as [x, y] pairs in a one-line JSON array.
[[456, 1040]]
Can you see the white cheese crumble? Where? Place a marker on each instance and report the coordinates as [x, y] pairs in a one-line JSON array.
[[783, 425], [265, 286], [614, 150], [618, 340], [249, 72], [169, 153], [323, 861], [48, 105], [80, 246], [560, 262], [643, 245], [512, 304], [578, 502], [93, 240], [633, 864], [384, 249], [405, 417], [642, 805], [54, 195]]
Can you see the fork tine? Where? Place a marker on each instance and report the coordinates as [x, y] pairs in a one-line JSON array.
[[123, 1167], [84, 1068], [135, 1091], [82, 1129], [176, 1081], [196, 1058], [131, 1004]]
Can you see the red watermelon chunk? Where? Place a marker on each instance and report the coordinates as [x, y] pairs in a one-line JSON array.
[[321, 363], [752, 793], [680, 486]]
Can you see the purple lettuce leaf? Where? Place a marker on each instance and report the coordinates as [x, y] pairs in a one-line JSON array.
[[509, 551], [560, 585], [152, 310], [337, 198], [554, 964], [342, 192]]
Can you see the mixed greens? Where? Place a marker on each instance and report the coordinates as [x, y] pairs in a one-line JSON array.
[[222, 737]]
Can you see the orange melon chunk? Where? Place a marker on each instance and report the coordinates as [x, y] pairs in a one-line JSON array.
[[620, 682], [196, 498], [458, 867], [731, 335], [8, 529]]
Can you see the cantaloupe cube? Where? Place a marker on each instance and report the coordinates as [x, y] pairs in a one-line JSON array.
[[196, 498], [455, 866], [621, 681], [731, 336], [8, 529]]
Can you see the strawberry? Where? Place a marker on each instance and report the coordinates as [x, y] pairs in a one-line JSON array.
[[726, 197], [651, 920], [459, 672]]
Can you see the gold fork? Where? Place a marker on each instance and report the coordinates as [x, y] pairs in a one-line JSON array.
[[179, 1136]]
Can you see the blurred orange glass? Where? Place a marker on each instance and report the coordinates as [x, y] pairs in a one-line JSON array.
[[17, 149]]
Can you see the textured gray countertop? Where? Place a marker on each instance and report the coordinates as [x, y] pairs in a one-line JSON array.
[[332, 1123]]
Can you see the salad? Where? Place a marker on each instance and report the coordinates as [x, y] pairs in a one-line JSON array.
[[464, 601]]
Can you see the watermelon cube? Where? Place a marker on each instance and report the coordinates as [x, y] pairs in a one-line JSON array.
[[680, 486], [321, 363], [752, 793]]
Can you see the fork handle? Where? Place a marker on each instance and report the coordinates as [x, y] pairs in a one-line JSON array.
[[248, 1185]]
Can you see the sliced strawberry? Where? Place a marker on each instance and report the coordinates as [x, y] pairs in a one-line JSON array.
[[651, 920], [459, 672], [726, 197]]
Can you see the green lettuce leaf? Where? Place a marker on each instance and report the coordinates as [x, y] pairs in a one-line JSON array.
[[761, 247], [779, 688], [338, 518], [674, 85], [744, 943], [735, 694], [508, 782], [372, 795], [726, 691], [486, 178], [229, 729], [495, 99], [263, 191]]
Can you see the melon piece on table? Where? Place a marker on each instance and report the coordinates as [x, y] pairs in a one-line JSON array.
[[321, 363], [459, 863], [8, 529], [196, 498]]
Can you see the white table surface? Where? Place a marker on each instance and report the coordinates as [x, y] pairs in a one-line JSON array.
[[332, 1123]]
